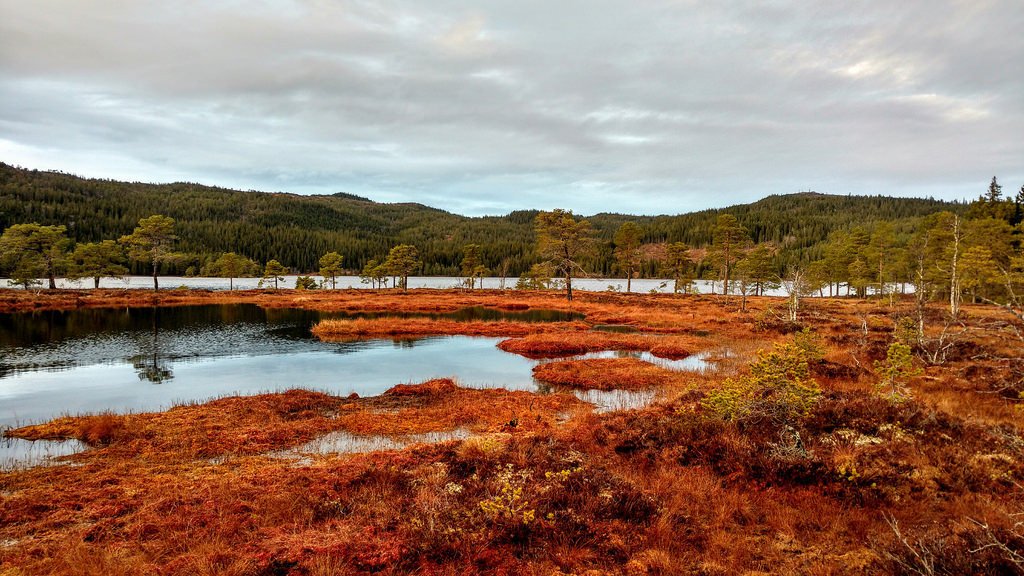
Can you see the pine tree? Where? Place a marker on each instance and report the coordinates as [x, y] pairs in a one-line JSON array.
[[330, 267], [727, 246], [627, 250], [563, 242], [273, 271], [231, 266], [31, 251], [152, 242], [679, 266], [472, 265], [98, 260], [402, 261], [758, 268]]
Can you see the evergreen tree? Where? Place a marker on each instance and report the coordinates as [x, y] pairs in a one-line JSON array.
[[538, 277], [98, 260], [859, 277], [978, 270], [563, 242], [757, 267], [679, 266], [403, 261], [330, 267], [730, 238], [627, 250], [273, 271], [31, 251], [152, 242], [472, 266], [991, 204], [878, 254], [231, 266], [374, 274]]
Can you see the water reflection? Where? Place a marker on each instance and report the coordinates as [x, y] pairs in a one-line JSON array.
[[341, 442], [200, 353], [94, 360], [150, 365], [613, 400], [18, 453], [693, 363]]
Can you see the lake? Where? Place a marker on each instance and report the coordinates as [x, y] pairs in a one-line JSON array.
[[54, 363]]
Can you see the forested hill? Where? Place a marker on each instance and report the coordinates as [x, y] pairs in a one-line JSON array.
[[297, 230]]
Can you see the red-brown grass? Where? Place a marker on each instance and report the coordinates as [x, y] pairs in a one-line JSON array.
[[405, 327], [545, 486], [554, 345], [606, 374]]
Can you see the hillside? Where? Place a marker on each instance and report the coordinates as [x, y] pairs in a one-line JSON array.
[[298, 229]]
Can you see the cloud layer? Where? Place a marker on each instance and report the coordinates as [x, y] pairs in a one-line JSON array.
[[594, 105]]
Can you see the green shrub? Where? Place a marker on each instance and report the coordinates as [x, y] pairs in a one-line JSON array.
[[779, 388]]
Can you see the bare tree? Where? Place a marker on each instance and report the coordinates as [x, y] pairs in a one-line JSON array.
[[795, 283]]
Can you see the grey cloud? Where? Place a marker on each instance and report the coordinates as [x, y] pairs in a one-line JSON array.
[[599, 105]]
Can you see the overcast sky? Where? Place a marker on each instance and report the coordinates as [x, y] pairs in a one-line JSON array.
[[486, 107]]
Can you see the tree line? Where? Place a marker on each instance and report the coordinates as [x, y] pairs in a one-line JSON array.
[[978, 255], [964, 251], [298, 230]]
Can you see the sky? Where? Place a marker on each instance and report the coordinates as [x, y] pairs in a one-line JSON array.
[[642, 107]]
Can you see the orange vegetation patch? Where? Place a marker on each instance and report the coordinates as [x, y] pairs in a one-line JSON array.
[[554, 345], [859, 485], [606, 374], [441, 405], [233, 425], [260, 424], [397, 327]]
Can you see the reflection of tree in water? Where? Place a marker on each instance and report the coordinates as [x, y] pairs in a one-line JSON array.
[[148, 364]]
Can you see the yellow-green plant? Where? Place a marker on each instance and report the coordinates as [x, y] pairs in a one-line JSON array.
[[509, 504], [779, 387], [809, 342], [895, 371]]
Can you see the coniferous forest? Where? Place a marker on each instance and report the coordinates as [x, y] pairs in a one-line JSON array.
[[298, 230]]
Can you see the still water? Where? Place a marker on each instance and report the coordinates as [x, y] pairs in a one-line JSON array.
[[54, 363], [141, 359]]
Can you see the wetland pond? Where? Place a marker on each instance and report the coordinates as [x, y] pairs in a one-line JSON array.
[[54, 363]]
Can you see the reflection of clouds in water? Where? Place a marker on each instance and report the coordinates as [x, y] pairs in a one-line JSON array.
[[365, 367], [615, 400], [18, 453], [693, 363], [341, 442]]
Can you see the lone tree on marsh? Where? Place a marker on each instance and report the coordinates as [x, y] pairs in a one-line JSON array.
[[728, 242], [402, 261], [472, 265], [31, 251], [627, 250], [152, 242], [330, 267], [231, 266], [563, 241], [274, 271]]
